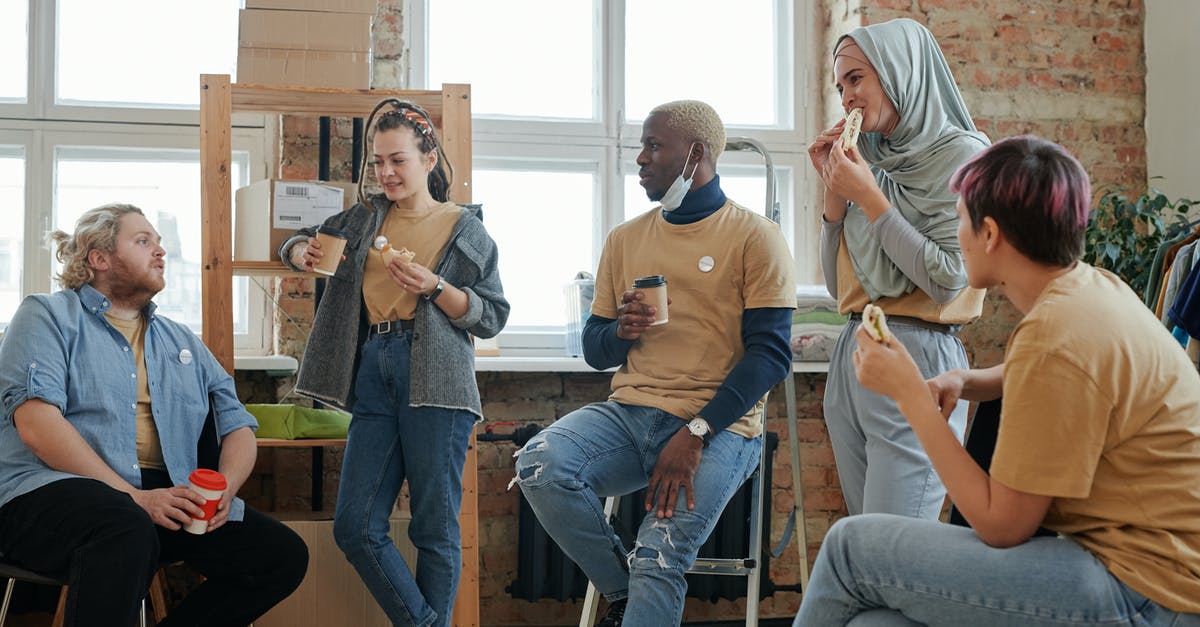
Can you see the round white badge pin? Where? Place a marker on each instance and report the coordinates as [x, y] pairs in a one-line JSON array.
[[706, 264], [185, 356]]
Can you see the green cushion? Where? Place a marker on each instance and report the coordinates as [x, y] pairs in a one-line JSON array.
[[289, 422]]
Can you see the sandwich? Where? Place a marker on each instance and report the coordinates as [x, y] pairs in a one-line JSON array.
[[850, 131], [388, 253], [876, 324]]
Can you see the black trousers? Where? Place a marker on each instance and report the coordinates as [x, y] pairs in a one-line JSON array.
[[107, 549]]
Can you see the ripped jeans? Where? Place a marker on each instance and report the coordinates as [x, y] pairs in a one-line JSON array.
[[609, 449]]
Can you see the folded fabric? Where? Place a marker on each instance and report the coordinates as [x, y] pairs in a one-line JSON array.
[[816, 324], [289, 422]]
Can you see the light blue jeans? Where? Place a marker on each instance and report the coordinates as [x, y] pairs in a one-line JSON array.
[[388, 443], [882, 569], [880, 462], [609, 449]]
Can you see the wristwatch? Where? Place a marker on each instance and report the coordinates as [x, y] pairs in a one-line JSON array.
[[437, 290], [699, 428]]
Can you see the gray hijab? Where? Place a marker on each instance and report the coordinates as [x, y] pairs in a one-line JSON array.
[[933, 137]]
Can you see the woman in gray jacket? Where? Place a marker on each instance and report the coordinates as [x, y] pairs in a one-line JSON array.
[[391, 344]]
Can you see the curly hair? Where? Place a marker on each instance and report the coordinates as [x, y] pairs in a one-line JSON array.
[[696, 121], [403, 114], [96, 229]]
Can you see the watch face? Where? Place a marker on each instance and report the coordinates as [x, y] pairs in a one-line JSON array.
[[698, 428]]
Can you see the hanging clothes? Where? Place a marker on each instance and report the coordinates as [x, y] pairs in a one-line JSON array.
[[1180, 268]]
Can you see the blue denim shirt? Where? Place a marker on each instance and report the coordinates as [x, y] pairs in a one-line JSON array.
[[61, 349]]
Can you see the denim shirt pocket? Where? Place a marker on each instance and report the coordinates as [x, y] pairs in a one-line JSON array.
[[183, 396]]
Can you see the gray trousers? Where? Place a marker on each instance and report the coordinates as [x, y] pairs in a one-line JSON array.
[[880, 462]]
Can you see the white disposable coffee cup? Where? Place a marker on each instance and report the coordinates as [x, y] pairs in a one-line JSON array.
[[211, 485], [332, 244], [654, 294]]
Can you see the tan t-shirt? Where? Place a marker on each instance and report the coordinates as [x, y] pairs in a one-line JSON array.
[[1102, 412], [149, 448], [678, 366], [426, 233], [852, 298]]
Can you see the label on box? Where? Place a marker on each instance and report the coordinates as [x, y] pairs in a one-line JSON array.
[[303, 204]]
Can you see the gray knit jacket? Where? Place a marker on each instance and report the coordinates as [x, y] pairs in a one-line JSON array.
[[442, 372]]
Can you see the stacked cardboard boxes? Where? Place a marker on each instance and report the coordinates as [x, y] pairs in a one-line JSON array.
[[306, 43]]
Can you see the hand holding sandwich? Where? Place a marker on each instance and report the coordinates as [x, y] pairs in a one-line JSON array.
[[888, 369]]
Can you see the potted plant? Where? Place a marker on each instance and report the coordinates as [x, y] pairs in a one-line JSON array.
[[1123, 234]]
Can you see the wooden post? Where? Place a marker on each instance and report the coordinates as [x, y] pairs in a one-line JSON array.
[[456, 143], [216, 217]]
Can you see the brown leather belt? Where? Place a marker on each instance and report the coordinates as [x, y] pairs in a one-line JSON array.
[[951, 329]]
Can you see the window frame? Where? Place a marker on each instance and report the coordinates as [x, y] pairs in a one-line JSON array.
[[618, 139], [41, 126]]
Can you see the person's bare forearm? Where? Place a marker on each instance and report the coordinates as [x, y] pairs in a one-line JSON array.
[[983, 384], [56, 442], [238, 453]]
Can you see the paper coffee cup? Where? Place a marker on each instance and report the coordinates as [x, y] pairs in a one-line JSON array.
[[333, 242], [654, 294], [211, 485]]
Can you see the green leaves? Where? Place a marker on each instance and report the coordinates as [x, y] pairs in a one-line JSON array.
[[1123, 234]]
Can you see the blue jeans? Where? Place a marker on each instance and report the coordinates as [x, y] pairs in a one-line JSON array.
[[881, 465], [609, 449], [390, 442], [882, 569]]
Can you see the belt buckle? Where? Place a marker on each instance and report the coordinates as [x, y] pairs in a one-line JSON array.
[[383, 327]]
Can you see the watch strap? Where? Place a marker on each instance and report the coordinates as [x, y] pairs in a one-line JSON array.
[[437, 290]]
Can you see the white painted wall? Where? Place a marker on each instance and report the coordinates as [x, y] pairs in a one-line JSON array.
[[1173, 96]]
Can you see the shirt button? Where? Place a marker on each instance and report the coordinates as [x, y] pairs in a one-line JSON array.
[[133, 405], [135, 466], [126, 349], [134, 375]]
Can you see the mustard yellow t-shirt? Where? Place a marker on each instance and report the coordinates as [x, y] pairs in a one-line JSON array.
[[426, 233], [1102, 412], [149, 448], [678, 366]]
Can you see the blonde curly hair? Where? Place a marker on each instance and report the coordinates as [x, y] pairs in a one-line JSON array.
[[96, 229], [696, 121]]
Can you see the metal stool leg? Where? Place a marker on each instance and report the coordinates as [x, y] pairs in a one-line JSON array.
[[592, 598], [8, 589]]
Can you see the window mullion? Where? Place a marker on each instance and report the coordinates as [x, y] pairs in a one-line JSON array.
[[612, 97]]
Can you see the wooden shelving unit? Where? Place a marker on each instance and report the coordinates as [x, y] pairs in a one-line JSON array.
[[450, 109]]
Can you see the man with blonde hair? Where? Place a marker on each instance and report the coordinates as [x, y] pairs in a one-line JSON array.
[[104, 405], [685, 413]]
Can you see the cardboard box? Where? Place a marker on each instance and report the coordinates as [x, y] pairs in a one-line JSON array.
[[268, 212], [332, 6], [332, 594], [304, 30], [304, 68]]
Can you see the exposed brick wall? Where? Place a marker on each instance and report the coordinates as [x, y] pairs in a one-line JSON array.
[[1069, 71]]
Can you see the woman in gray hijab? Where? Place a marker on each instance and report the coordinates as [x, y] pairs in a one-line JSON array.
[[889, 237]]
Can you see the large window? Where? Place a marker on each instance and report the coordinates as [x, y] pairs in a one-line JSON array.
[[559, 93], [104, 108]]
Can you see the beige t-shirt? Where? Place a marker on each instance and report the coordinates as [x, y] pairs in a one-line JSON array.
[[1102, 411], [678, 366], [426, 233], [149, 448], [852, 298]]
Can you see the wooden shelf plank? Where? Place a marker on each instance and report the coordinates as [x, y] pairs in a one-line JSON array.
[[267, 268]]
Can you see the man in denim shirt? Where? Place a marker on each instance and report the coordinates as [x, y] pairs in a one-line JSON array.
[[104, 402]]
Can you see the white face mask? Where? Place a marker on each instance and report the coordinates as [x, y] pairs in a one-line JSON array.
[[672, 198]]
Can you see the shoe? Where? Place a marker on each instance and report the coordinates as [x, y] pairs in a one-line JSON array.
[[616, 613]]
